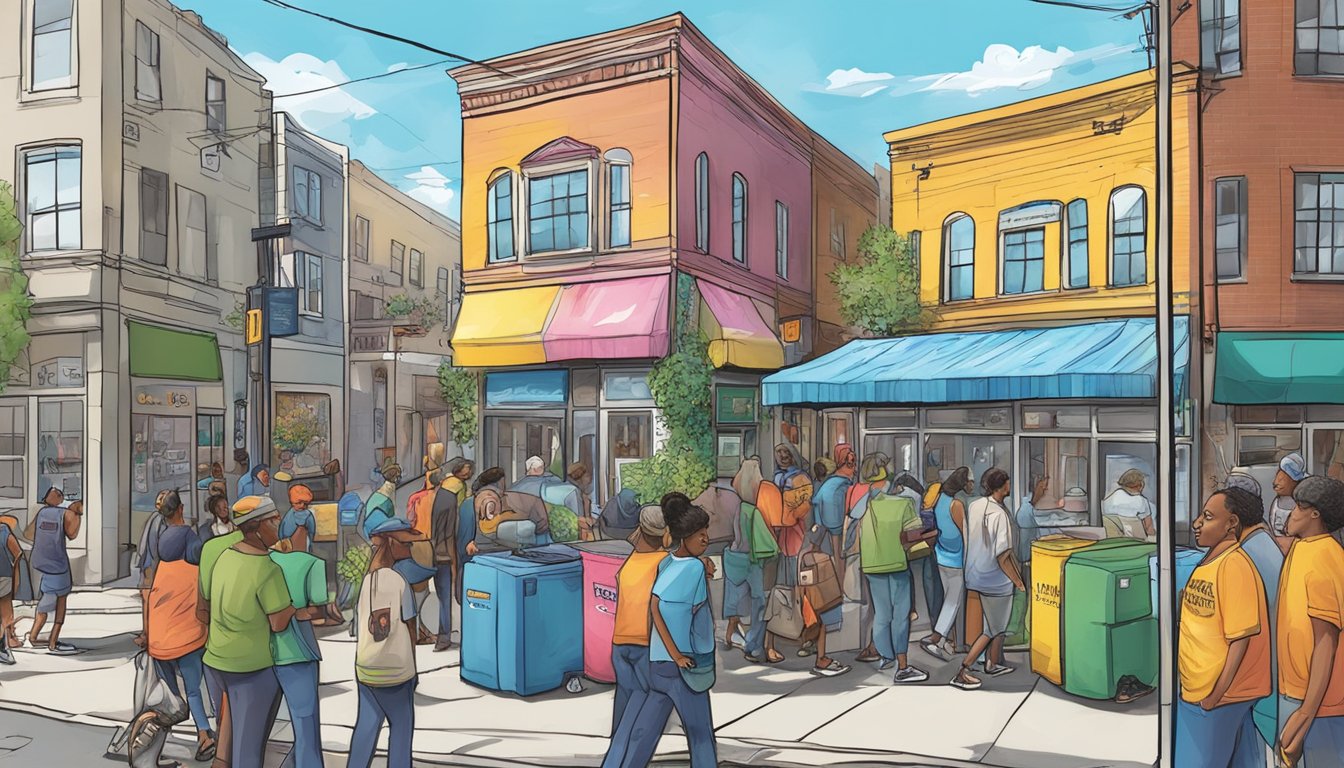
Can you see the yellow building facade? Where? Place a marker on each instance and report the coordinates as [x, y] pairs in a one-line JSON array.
[[1044, 211]]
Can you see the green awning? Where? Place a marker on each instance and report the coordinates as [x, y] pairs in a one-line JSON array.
[[165, 353], [1267, 367]]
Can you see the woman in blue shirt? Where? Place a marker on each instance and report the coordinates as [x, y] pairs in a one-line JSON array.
[[949, 549], [681, 648]]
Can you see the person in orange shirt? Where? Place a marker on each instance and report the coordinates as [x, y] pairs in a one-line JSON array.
[[1311, 613], [1224, 652], [630, 642]]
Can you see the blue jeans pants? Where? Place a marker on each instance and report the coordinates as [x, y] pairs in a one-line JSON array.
[[933, 587], [668, 691], [631, 663], [254, 698], [443, 589], [1218, 738], [192, 670], [892, 595], [394, 704], [299, 684], [1324, 746]]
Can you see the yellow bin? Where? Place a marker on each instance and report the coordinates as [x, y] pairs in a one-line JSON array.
[[1048, 556]]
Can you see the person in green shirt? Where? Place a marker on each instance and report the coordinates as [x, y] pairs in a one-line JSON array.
[[246, 602], [296, 654], [214, 681]]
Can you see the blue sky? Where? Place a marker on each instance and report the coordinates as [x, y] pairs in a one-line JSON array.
[[851, 70]]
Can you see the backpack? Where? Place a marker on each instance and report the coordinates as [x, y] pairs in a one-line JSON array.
[[721, 504]]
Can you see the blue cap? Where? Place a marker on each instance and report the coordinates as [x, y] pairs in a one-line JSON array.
[[393, 525], [1294, 466]]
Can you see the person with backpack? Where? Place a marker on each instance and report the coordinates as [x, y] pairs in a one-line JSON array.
[[51, 530], [949, 552], [11, 559], [992, 574], [449, 499], [681, 646], [630, 642]]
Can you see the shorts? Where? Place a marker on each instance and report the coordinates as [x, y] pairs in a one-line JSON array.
[[52, 586], [998, 610], [6, 586]]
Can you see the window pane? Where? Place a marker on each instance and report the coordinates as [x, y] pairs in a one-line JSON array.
[[702, 202], [68, 230], [51, 59], [42, 232]]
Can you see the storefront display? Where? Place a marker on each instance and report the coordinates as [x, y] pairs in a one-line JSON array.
[[301, 433], [164, 443], [60, 446]]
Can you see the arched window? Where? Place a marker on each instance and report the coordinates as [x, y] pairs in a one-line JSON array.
[[499, 217], [1075, 270], [1129, 236], [702, 202], [959, 257], [618, 198], [739, 219]]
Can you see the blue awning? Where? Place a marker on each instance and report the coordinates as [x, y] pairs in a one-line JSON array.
[[1106, 359]]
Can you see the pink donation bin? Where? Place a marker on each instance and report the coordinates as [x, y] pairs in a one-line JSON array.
[[601, 561]]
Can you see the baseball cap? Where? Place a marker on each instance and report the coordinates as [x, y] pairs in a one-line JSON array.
[[398, 528], [1294, 466], [250, 508]]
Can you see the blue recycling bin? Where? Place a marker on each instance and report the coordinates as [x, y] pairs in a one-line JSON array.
[[1187, 558], [522, 619]]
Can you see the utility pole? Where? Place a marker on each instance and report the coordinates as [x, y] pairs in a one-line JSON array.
[[1166, 437], [261, 300]]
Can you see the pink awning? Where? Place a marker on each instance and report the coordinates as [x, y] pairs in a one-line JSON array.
[[609, 320]]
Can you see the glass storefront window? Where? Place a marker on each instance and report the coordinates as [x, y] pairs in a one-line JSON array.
[[60, 447], [13, 448], [731, 447], [584, 392], [1063, 461], [627, 387], [514, 440], [903, 418], [796, 429], [899, 448], [969, 418], [1327, 452], [161, 458], [1063, 419], [301, 432], [629, 439], [1184, 536], [838, 429], [943, 454], [1121, 511], [585, 447], [1127, 419], [526, 388], [209, 452]]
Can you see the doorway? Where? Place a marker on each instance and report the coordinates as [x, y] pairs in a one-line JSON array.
[[512, 440]]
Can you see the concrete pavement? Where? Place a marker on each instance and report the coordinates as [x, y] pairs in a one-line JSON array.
[[770, 716]]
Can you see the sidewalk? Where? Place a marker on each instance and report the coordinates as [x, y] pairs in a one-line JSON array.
[[768, 716]]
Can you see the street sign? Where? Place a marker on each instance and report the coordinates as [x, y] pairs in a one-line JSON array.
[[791, 331], [254, 321], [282, 309]]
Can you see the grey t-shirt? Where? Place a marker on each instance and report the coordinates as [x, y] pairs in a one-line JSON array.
[[989, 533]]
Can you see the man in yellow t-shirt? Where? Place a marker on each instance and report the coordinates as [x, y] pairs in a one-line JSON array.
[[1223, 658], [1311, 614]]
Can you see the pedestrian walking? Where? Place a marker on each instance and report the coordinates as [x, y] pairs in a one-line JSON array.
[[11, 568], [296, 653], [744, 567], [949, 551], [1223, 656], [380, 506], [1261, 547], [1311, 612], [52, 528], [385, 672], [175, 634], [449, 499], [681, 646], [922, 563], [825, 527], [630, 642], [298, 526], [214, 680], [247, 602], [991, 574]]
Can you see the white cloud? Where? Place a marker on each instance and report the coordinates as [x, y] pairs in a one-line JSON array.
[[299, 72], [1003, 66], [431, 188], [855, 82]]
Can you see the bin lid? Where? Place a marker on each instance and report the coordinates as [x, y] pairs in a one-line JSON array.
[[549, 554], [1119, 556], [1058, 543], [613, 548]]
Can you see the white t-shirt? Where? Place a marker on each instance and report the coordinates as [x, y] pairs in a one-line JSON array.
[[1279, 510], [989, 533], [1122, 503], [390, 661]]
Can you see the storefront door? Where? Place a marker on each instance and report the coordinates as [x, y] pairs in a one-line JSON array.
[[162, 459], [629, 439], [900, 447], [513, 439]]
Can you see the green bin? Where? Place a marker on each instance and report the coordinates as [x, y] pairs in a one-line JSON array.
[[1109, 629]]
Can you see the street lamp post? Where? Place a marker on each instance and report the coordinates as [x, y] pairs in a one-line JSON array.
[[269, 241]]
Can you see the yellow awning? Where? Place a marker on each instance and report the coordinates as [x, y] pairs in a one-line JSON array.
[[497, 328], [737, 334]]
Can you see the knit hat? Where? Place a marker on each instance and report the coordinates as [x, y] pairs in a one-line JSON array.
[[1240, 477], [651, 521], [1294, 466]]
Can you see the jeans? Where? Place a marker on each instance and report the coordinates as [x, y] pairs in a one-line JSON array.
[[192, 670], [933, 587], [394, 704], [668, 691], [254, 698], [1324, 747], [892, 595], [751, 591], [631, 663], [299, 684], [1217, 738], [954, 589], [443, 589]]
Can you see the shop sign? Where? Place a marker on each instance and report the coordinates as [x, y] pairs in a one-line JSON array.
[[58, 372], [161, 399], [368, 341], [791, 331], [735, 405], [508, 388], [1030, 215], [282, 308]]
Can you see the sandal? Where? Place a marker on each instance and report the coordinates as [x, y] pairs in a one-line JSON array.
[[834, 669], [808, 648], [773, 657], [206, 751]]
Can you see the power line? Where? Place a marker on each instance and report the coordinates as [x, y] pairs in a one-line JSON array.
[[440, 62], [1087, 7], [385, 35]]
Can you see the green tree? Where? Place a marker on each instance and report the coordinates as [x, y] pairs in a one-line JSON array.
[[458, 387], [15, 304], [880, 294]]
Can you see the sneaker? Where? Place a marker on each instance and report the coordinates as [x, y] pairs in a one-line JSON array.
[[910, 675], [834, 669], [999, 671], [886, 664], [63, 649], [936, 651], [739, 639], [965, 682], [6, 657]]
